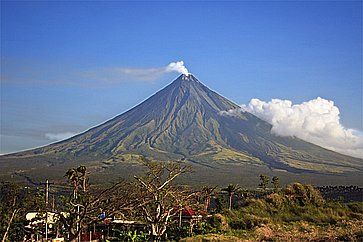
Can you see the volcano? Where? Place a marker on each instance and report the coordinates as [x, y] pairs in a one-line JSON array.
[[185, 121]]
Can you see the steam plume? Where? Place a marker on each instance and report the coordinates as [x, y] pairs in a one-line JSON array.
[[177, 67], [121, 74]]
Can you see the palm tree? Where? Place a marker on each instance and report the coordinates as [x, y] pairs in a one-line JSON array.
[[76, 176], [231, 189], [264, 181], [206, 194], [276, 183], [72, 175], [81, 170]]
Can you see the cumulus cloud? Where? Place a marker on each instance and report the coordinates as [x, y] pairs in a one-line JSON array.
[[316, 121], [119, 74], [59, 136]]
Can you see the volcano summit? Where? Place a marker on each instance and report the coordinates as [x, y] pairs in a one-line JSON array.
[[185, 121]]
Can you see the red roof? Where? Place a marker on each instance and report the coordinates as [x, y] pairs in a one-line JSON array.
[[188, 211]]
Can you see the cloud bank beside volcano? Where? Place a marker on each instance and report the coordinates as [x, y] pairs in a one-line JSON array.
[[316, 121]]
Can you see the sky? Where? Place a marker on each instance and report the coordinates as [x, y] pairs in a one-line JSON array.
[[68, 66]]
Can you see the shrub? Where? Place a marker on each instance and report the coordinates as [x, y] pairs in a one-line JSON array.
[[215, 222], [356, 207], [303, 194], [247, 221], [275, 199], [237, 224]]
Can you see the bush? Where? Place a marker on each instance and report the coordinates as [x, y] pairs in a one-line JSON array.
[[303, 194], [247, 221], [175, 232], [215, 222], [275, 199], [237, 224], [356, 207]]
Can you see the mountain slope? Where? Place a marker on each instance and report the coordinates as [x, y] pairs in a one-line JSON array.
[[185, 121]]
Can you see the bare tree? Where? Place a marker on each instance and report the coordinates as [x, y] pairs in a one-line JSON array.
[[15, 202], [84, 206], [160, 200], [14, 212]]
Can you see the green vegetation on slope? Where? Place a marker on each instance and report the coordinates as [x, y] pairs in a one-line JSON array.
[[296, 213]]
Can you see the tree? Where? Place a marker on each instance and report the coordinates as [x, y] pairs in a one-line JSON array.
[[264, 181], [12, 201], [276, 183], [15, 202], [77, 175], [83, 207], [303, 194], [159, 199], [231, 189], [206, 193]]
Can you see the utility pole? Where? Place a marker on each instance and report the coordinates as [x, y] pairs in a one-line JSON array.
[[53, 204], [46, 206], [180, 216], [78, 224], [46, 209]]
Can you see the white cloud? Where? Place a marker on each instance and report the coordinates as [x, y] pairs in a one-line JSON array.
[[316, 121], [59, 136], [120, 74]]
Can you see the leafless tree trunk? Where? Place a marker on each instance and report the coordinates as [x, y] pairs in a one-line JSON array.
[[10, 221], [230, 201], [206, 203], [159, 199]]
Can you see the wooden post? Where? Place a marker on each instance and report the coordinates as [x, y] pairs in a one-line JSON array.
[[46, 209], [180, 217]]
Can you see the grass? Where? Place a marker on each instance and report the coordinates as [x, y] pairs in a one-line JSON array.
[[297, 213]]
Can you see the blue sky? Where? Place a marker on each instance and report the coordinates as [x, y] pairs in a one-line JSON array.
[[243, 50]]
